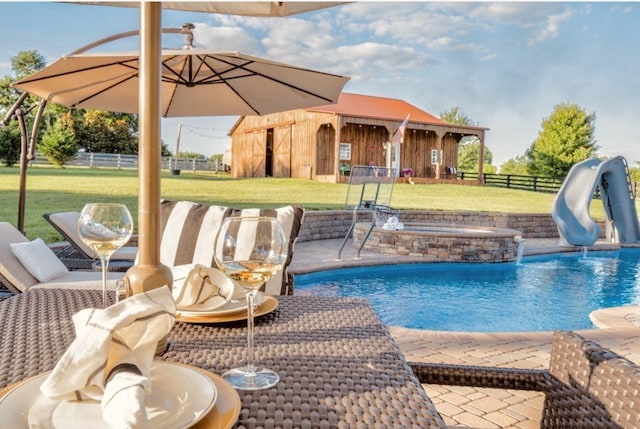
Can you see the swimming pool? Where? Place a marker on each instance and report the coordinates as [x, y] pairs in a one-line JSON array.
[[541, 293]]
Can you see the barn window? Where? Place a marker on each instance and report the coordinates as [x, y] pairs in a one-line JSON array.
[[345, 151], [434, 156]]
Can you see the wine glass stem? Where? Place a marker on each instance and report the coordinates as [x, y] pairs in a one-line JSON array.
[[251, 297], [105, 268]]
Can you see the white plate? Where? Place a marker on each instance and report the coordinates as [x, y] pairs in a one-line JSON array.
[[180, 397], [233, 306]]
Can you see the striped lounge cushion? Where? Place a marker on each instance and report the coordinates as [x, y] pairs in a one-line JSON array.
[[189, 229]]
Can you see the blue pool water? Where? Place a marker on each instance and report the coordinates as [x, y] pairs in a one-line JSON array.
[[541, 293]]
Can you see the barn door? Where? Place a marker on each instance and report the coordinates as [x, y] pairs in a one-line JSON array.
[[326, 150], [255, 155], [282, 152], [268, 156]]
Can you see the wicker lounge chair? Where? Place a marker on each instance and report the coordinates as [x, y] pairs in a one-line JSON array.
[[15, 278], [78, 255], [586, 386], [189, 230]]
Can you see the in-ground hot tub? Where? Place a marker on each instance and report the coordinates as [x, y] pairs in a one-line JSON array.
[[443, 242]]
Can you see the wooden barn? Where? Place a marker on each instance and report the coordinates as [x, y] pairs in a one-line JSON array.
[[322, 143]]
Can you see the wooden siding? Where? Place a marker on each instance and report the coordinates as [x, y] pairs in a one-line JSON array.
[[295, 140], [415, 152], [326, 150], [449, 152], [366, 143], [306, 144]]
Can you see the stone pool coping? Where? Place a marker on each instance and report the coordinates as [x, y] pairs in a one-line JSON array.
[[627, 316], [442, 242], [319, 255]]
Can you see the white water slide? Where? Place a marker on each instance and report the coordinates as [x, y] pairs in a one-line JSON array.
[[570, 208]]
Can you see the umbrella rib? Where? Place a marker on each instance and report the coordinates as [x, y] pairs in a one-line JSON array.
[[71, 72], [172, 71], [250, 72], [95, 94], [224, 81], [178, 78], [273, 79], [218, 77]]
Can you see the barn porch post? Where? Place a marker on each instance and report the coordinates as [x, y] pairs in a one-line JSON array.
[[481, 158]]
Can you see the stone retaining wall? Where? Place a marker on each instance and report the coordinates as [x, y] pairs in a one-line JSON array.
[[437, 243], [327, 224]]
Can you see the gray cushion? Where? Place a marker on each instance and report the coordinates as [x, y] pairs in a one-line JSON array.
[[39, 259], [13, 270], [66, 223]]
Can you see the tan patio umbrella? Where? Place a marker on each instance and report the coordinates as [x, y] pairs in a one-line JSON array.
[[149, 273], [195, 82], [246, 8]]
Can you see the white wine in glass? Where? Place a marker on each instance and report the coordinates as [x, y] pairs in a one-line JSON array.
[[105, 228], [250, 250]]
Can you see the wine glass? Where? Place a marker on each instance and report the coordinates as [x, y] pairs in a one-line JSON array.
[[250, 250], [105, 228]]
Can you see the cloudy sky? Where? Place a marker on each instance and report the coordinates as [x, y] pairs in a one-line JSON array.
[[506, 64]]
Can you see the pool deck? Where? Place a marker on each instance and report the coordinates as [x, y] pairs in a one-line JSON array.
[[464, 407]]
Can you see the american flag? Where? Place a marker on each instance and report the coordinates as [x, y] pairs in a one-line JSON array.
[[398, 136]]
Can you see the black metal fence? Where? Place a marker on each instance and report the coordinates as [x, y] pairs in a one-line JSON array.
[[514, 181], [528, 183]]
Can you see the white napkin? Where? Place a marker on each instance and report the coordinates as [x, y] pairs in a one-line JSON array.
[[393, 224], [110, 360], [205, 287]]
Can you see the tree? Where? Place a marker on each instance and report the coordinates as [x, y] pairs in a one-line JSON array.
[[634, 172], [106, 132], [469, 157], [455, 116], [566, 137], [94, 130], [191, 155], [23, 64], [216, 158], [26, 63], [10, 142], [468, 146], [517, 165], [58, 143], [164, 149]]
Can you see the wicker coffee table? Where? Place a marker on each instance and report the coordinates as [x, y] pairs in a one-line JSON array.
[[338, 365]]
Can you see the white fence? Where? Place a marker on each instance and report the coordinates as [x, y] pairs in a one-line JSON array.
[[113, 160]]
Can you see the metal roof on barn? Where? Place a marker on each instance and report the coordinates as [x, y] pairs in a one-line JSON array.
[[368, 106]]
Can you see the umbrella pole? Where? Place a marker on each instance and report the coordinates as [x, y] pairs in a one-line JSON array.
[[23, 169], [148, 273]]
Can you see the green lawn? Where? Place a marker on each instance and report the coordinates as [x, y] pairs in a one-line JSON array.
[[54, 189]]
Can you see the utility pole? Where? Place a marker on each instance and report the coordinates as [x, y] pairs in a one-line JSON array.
[[175, 166]]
